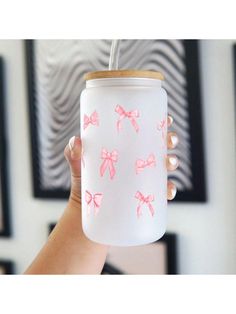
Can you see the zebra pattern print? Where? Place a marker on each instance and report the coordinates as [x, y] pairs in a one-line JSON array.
[[59, 69]]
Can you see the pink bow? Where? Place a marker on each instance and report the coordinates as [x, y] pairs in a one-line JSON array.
[[109, 159], [131, 115], [95, 199], [93, 119], [141, 164], [144, 200], [162, 127]]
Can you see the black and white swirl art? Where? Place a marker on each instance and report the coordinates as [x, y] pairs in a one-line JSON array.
[[55, 81]]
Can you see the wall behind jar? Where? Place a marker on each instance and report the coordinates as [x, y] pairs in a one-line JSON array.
[[206, 232]]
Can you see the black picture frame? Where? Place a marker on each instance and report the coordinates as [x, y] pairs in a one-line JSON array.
[[109, 269], [37, 191], [5, 231], [170, 240], [51, 226], [198, 192], [8, 267]]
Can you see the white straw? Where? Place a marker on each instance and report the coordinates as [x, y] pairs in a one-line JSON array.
[[114, 54]]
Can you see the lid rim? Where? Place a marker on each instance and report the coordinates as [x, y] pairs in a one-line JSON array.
[[123, 74]]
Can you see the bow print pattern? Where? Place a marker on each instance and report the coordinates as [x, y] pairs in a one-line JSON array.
[[141, 164], [93, 120], [131, 115], [144, 200], [94, 200], [108, 162], [162, 126]]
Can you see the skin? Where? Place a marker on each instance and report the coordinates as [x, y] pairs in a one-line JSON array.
[[67, 250]]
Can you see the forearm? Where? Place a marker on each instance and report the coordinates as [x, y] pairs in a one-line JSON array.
[[67, 250]]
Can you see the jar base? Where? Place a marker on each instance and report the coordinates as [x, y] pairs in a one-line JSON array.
[[133, 242]]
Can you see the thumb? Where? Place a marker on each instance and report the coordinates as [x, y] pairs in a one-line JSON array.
[[72, 154]]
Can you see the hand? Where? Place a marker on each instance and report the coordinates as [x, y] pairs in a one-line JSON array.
[[172, 161], [73, 154], [68, 250]]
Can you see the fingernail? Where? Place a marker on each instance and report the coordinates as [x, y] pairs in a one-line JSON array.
[[170, 120], [173, 161], [173, 192], [75, 147], [71, 143], [174, 140]]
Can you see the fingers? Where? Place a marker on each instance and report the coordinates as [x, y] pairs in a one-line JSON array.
[[171, 190], [169, 120], [75, 148], [72, 154], [172, 162], [172, 140]]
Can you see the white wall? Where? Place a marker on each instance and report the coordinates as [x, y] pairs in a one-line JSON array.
[[30, 217], [207, 232]]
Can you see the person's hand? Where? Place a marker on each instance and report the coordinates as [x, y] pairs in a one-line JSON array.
[[73, 155], [172, 161], [68, 250]]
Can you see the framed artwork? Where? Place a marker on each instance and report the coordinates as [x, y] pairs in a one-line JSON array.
[[55, 80], [51, 227], [158, 258], [4, 201], [6, 267], [109, 269]]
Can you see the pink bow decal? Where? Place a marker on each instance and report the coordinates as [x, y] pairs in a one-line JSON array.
[[141, 164], [144, 200], [95, 199], [93, 120], [108, 162], [131, 115], [162, 127]]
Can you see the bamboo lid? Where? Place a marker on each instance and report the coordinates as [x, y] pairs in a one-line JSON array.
[[123, 73]]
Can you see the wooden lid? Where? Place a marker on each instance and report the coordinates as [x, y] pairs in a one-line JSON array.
[[123, 73]]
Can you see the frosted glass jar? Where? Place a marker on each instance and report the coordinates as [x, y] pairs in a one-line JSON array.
[[123, 165]]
